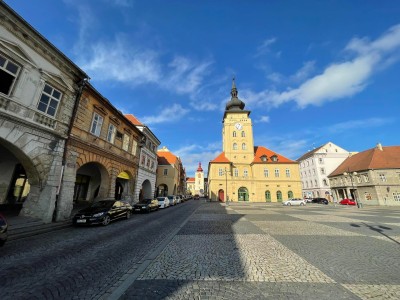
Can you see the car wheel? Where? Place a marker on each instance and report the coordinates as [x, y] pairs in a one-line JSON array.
[[128, 214], [106, 220], [301, 204], [290, 204]]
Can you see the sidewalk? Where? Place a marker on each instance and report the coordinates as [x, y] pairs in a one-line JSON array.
[[20, 226]]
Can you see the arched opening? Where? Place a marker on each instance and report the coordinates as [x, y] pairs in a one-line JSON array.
[[279, 196], [221, 195], [290, 194], [91, 183], [162, 190], [267, 196], [18, 177], [243, 194], [122, 185], [145, 191]]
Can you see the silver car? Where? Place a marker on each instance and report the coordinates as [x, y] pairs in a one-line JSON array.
[[295, 201], [163, 202], [172, 200]]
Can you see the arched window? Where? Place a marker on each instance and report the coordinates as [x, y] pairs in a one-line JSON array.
[[243, 194], [290, 194], [235, 146], [279, 196], [234, 134], [244, 146], [267, 196], [243, 134]]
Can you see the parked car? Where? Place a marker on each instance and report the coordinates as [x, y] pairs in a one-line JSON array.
[[103, 212], [172, 200], [295, 201], [178, 199], [196, 197], [320, 200], [146, 205], [163, 202], [3, 230], [347, 202]]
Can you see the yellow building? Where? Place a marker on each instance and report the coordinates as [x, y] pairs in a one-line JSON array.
[[244, 172]]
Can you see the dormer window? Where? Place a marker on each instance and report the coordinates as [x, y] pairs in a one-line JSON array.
[[264, 158], [274, 157]]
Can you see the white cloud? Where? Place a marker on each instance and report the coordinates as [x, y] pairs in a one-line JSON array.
[[263, 119], [122, 3], [354, 124], [265, 46], [166, 115], [338, 80]]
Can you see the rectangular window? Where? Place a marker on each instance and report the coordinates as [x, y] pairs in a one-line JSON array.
[[396, 196], [276, 172], [236, 172], [321, 160], [366, 178], [322, 171], [382, 177], [125, 142], [111, 133], [152, 165], [8, 74], [148, 162], [165, 171], [134, 147], [143, 160], [119, 135], [49, 100], [245, 173], [220, 172], [97, 122], [266, 173], [287, 173]]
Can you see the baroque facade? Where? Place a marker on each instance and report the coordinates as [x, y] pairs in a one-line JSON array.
[[102, 155], [244, 172], [195, 185], [371, 177], [147, 171], [316, 165], [171, 177], [39, 86]]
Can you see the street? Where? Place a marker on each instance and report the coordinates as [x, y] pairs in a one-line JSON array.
[[203, 250]]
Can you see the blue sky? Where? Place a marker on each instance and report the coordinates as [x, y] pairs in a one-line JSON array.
[[310, 71]]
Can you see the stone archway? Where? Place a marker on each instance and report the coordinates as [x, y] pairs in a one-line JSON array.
[[20, 184], [145, 191], [162, 190], [91, 183], [123, 185]]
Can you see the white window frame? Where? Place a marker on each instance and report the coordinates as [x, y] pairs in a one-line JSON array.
[[382, 177], [220, 172], [53, 97], [266, 173], [125, 142], [277, 173], [288, 173], [97, 123], [112, 130], [236, 172], [165, 172], [15, 75], [235, 146], [245, 173]]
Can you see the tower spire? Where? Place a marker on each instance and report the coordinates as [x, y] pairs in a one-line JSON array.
[[234, 91]]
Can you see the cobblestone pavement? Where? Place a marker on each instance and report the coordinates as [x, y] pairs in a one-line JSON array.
[[255, 251], [84, 262]]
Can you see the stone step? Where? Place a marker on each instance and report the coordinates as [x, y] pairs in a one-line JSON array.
[[23, 230]]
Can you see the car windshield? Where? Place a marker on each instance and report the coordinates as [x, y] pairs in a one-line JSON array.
[[145, 201], [160, 198], [103, 204]]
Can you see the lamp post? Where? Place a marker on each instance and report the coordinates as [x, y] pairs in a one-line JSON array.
[[226, 188], [351, 174]]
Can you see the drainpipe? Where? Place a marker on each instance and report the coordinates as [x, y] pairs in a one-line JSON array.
[[81, 84]]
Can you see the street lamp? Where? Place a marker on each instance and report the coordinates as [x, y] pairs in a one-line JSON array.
[[351, 174], [226, 187]]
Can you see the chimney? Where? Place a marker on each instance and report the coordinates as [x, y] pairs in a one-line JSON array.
[[379, 146]]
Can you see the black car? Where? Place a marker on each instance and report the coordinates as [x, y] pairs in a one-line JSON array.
[[320, 200], [103, 212], [146, 205], [3, 230]]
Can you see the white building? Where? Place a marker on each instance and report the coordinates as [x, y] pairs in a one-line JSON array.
[[316, 165], [147, 171], [39, 87]]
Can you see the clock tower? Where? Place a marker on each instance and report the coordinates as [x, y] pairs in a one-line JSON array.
[[237, 132]]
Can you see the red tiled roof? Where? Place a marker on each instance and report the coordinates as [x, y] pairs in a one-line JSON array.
[[387, 158], [190, 179], [221, 159], [133, 119], [261, 151], [166, 158]]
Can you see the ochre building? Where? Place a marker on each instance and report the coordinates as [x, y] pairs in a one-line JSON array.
[[244, 172]]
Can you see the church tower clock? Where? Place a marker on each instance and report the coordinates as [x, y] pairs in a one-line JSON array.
[[237, 133]]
